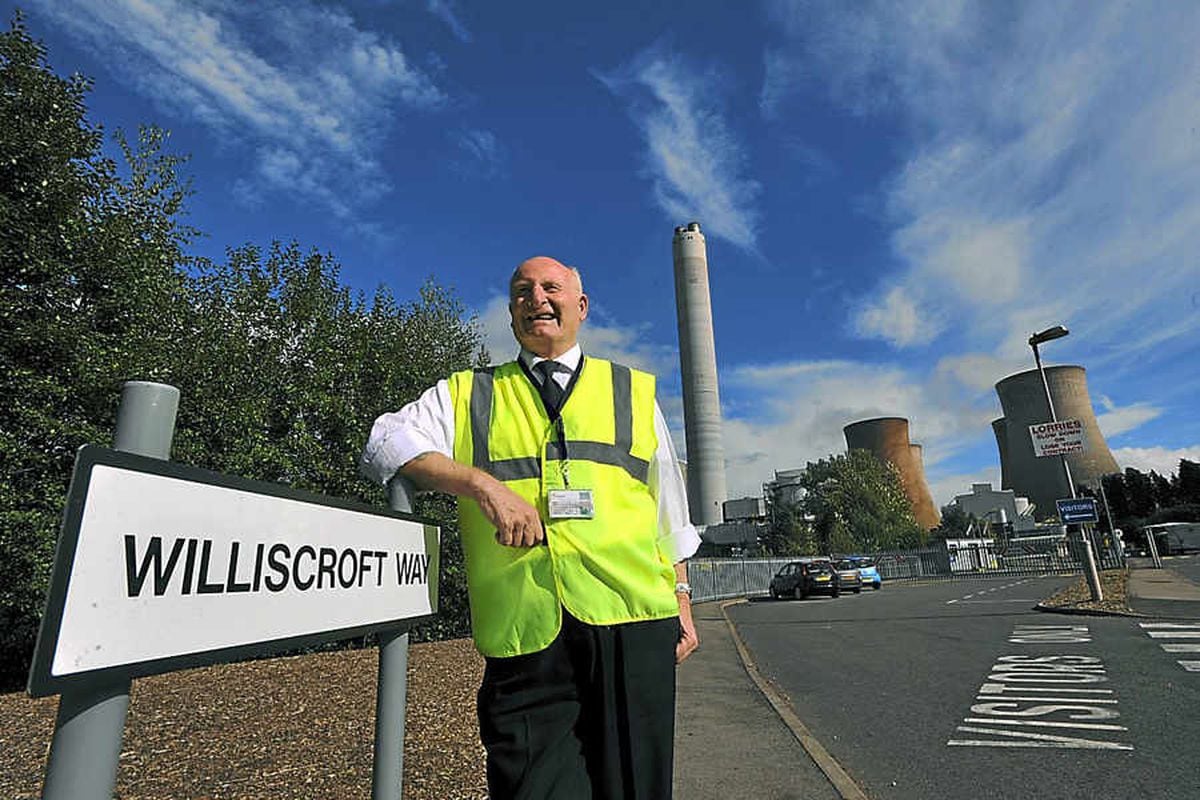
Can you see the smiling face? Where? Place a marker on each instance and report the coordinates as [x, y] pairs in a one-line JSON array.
[[547, 305]]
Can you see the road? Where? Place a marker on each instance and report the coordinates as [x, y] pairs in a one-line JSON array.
[[961, 689]]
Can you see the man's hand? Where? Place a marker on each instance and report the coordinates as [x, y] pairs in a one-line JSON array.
[[517, 522], [688, 639]]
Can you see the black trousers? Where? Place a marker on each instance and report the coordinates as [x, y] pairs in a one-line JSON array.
[[591, 716]]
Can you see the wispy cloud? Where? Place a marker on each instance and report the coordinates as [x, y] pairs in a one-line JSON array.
[[1115, 421], [692, 156], [483, 156], [310, 90], [1051, 172], [446, 11]]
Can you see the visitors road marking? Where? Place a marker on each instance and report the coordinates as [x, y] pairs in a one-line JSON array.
[[1058, 692]]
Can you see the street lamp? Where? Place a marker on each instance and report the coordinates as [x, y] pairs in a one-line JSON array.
[[1041, 337]]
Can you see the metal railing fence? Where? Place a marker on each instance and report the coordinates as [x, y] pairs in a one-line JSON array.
[[724, 578]]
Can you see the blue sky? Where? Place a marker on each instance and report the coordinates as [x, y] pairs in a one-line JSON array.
[[895, 195]]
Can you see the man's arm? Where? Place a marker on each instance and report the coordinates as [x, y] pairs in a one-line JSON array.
[[517, 522], [677, 536]]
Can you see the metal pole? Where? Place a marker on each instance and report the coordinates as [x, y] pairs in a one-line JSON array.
[[91, 719], [387, 771], [1089, 561]]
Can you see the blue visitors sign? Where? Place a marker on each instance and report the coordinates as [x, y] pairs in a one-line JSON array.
[[1078, 509]]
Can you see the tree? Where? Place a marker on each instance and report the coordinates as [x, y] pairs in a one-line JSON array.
[[955, 523], [87, 272], [1140, 491], [1187, 482], [281, 368], [789, 533], [857, 504]]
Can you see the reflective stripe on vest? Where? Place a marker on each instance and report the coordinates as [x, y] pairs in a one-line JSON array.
[[618, 454]]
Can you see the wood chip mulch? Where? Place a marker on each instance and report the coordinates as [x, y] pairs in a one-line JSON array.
[[1078, 597], [298, 727]]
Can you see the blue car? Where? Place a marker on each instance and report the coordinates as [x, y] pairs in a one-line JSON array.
[[867, 571]]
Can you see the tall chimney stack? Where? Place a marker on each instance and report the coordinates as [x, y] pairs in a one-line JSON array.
[[698, 363]]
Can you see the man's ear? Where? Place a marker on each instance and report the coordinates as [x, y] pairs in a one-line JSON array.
[[583, 307]]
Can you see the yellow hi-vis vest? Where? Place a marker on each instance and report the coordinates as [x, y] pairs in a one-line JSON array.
[[604, 570]]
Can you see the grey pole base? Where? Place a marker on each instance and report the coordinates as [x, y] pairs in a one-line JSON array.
[[391, 693], [87, 743], [91, 719]]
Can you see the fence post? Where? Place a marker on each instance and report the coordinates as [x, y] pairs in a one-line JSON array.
[[91, 718], [391, 693]]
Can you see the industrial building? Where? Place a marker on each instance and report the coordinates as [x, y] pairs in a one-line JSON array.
[[698, 366], [998, 507], [887, 438], [1043, 480]]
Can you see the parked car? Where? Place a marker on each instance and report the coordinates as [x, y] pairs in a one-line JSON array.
[[848, 578], [867, 571], [805, 577]]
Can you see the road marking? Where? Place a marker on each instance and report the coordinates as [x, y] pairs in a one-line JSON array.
[[1030, 739], [1089, 726], [1034, 690], [967, 597], [1050, 634], [1176, 630]]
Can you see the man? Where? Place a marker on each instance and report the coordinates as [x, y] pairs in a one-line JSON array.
[[575, 532]]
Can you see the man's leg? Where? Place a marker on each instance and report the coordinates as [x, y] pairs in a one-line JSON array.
[[628, 719], [528, 711]]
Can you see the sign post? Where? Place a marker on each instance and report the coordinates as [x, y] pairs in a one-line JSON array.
[[1057, 438], [155, 558], [91, 716]]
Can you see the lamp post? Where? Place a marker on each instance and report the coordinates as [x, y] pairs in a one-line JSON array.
[[1089, 562]]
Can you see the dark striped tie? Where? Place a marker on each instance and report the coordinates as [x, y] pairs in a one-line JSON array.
[[551, 392]]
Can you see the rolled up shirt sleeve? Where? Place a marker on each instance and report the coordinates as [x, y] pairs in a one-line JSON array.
[[677, 536], [423, 426]]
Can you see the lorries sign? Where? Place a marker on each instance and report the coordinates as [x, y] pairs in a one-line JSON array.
[[1057, 438], [162, 566]]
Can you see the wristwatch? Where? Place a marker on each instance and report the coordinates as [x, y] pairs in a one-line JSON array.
[[683, 587]]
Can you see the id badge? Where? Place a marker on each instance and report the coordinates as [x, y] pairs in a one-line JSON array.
[[571, 504]]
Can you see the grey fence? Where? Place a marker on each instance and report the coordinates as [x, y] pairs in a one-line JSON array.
[[723, 578]]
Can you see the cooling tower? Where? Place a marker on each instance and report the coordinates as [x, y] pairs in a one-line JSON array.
[[698, 364], [1043, 480], [1000, 429], [887, 438]]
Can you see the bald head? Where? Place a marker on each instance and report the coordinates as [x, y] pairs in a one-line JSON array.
[[547, 305]]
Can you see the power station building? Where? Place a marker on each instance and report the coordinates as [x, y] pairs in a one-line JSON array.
[[887, 438], [1023, 400], [698, 365]]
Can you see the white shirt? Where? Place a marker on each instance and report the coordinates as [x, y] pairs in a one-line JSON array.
[[427, 425]]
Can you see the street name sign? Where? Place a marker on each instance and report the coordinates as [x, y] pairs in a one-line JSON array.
[[1076, 510], [161, 567], [1057, 438]]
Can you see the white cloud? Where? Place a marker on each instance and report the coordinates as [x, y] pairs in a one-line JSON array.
[[1114, 420], [1050, 171], [895, 319], [303, 82], [695, 161], [799, 410], [1162, 460]]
